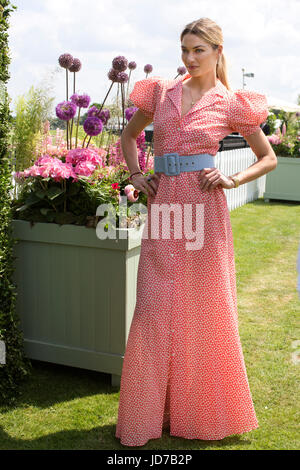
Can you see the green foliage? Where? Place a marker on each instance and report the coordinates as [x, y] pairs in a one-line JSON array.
[[44, 200], [290, 144], [32, 110], [271, 120], [17, 366]]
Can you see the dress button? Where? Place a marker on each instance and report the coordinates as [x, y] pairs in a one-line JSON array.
[[172, 179]]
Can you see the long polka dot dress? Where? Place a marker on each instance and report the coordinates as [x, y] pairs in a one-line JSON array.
[[183, 368]]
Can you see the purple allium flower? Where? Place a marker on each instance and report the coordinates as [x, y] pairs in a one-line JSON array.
[[94, 111], [82, 101], [129, 112], [120, 63], [65, 60], [104, 115], [93, 125], [76, 66], [181, 70], [113, 75], [132, 65], [122, 77], [148, 68], [66, 110]]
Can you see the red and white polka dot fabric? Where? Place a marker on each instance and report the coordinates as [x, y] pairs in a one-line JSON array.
[[183, 368]]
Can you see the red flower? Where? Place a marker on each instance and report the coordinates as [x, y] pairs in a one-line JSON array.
[[115, 185]]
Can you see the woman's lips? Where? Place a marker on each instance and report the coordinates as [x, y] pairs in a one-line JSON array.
[[192, 68]]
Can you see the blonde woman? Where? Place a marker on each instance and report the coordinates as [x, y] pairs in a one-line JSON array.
[[183, 368]]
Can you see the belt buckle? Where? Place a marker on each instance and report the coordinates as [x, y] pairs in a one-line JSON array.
[[172, 163]]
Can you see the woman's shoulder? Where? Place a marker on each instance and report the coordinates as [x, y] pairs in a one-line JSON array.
[[246, 97]]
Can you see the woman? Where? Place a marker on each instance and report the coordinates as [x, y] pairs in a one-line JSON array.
[[183, 367]]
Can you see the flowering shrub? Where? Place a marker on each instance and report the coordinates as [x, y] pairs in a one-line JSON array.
[[67, 189], [70, 178], [285, 140]]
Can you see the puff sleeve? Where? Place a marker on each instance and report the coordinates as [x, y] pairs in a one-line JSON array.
[[248, 109], [144, 95]]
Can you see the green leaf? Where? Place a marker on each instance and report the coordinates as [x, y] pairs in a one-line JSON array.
[[32, 199], [41, 193], [45, 210], [54, 191], [73, 189], [22, 208]]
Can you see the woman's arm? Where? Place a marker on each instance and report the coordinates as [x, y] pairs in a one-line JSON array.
[[266, 158], [137, 123]]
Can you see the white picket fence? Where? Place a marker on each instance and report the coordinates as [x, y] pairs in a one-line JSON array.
[[232, 161]]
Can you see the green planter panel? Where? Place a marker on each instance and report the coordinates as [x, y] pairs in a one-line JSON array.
[[284, 181], [76, 294]]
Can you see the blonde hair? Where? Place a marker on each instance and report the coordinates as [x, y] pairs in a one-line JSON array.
[[208, 30]]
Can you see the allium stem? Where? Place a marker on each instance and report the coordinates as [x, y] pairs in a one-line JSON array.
[[67, 85], [67, 134], [118, 107], [128, 86], [122, 95], [101, 139], [106, 96], [108, 140], [77, 127], [74, 75], [71, 130], [84, 140], [89, 141]]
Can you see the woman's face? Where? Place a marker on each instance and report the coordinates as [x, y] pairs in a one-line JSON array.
[[198, 56]]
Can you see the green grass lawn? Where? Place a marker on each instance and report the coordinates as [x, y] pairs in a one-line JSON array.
[[67, 408]]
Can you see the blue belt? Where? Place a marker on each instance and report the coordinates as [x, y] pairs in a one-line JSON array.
[[173, 164]]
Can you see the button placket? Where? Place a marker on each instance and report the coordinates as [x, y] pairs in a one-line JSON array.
[[171, 325]]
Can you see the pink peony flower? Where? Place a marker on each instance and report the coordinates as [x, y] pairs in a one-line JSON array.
[[85, 168], [84, 154]]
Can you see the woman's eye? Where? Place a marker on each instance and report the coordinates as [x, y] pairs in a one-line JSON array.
[[197, 50]]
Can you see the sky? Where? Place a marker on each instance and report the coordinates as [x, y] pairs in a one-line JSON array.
[[263, 37]]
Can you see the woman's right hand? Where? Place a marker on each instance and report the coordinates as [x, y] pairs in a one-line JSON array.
[[140, 183]]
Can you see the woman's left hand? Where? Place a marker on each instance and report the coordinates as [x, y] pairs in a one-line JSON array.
[[212, 177]]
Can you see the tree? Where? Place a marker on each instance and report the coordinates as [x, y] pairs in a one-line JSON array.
[[14, 366]]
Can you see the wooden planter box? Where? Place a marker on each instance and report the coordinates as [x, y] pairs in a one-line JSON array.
[[76, 294], [284, 181]]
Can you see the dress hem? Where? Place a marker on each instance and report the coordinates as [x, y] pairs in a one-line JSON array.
[[252, 428]]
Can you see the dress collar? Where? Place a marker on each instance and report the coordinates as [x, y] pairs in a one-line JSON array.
[[174, 92]]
